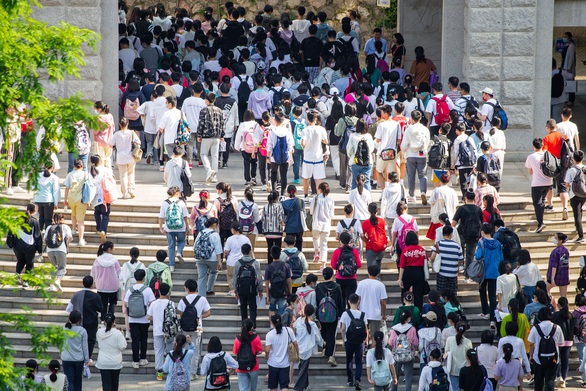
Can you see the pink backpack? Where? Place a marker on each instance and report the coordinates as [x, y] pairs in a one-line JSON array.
[[381, 63], [248, 142], [407, 227]]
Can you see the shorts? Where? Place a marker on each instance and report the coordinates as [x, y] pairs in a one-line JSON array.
[[388, 165], [278, 377], [560, 183], [316, 170], [78, 210]]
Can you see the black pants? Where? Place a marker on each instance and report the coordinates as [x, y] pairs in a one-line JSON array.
[[224, 235], [270, 243], [490, 285], [545, 377], [464, 173], [91, 330], [413, 277], [348, 287], [564, 362], [469, 248], [45, 214], [328, 333], [249, 166], [262, 168], [24, 258], [226, 153], [73, 370], [282, 169], [303, 378], [298, 239], [248, 302], [109, 301], [353, 353], [110, 379], [102, 217], [577, 203], [242, 106], [139, 332], [538, 194]]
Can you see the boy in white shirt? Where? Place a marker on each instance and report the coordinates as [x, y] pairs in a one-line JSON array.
[[313, 162], [156, 313]]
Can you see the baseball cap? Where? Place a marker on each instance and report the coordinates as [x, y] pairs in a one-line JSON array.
[[430, 315], [488, 91], [334, 91]]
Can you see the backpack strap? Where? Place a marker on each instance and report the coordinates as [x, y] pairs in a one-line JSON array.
[[362, 314], [349, 312], [142, 288], [343, 224], [352, 223]]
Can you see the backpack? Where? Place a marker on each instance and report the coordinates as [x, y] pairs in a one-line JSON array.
[[173, 215], [501, 113], [382, 64], [407, 227], [295, 264], [486, 384], [186, 182], [327, 311], [246, 279], [183, 133], [579, 183], [346, 48], [475, 270], [582, 328], [203, 248], [278, 284], [430, 346], [471, 226], [277, 97], [218, 375], [227, 214], [131, 109], [88, 191], [557, 84], [245, 357], [298, 133], [350, 230], [362, 156], [492, 167], [356, 333], [171, 325], [302, 303], [200, 221], [346, 264], [581, 282], [471, 103], [155, 282], [131, 281], [263, 144], [343, 145], [190, 318], [245, 218], [467, 153], [439, 379], [567, 154], [380, 373], [136, 306], [511, 244], [248, 141], [442, 110], [403, 351], [550, 165], [243, 90], [179, 379], [548, 352], [280, 151], [439, 154], [82, 142], [109, 188], [55, 236]]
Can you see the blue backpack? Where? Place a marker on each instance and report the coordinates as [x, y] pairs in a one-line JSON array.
[[501, 113], [280, 155]]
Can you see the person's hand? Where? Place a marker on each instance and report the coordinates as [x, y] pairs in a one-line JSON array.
[[401, 283], [222, 139], [55, 207], [395, 380], [236, 296], [528, 376], [370, 381], [199, 139], [253, 155], [268, 300], [219, 266], [188, 338], [162, 230]]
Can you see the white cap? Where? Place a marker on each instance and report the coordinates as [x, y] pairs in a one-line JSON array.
[[488, 91], [334, 91]]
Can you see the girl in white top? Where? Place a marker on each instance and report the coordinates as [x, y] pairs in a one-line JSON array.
[[101, 208], [379, 352], [498, 141], [322, 210], [528, 273], [352, 152], [439, 234], [276, 352], [111, 344], [488, 354], [215, 350], [55, 380], [443, 199], [127, 279], [58, 256], [360, 198], [204, 209], [123, 141], [393, 193], [308, 338], [457, 346], [233, 253]]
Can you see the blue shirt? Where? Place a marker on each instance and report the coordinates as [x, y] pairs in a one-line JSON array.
[[168, 366], [48, 189], [369, 47]]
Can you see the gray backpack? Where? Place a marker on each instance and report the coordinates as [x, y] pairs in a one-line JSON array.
[[136, 306], [475, 270]]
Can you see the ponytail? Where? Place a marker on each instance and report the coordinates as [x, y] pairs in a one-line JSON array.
[[57, 217], [276, 320], [102, 106], [460, 330], [372, 209], [247, 326], [109, 319], [104, 247], [379, 353], [405, 315], [94, 160], [308, 311], [514, 309], [74, 318], [203, 199], [180, 341], [508, 351], [54, 367], [134, 254], [472, 356], [249, 194]]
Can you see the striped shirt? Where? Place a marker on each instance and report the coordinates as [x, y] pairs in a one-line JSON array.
[[451, 253]]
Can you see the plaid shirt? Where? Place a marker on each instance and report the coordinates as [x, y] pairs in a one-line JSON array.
[[483, 190], [559, 259], [211, 122]]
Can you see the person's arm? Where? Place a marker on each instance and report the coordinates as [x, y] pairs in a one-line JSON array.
[[267, 352], [383, 309], [401, 275], [553, 272], [394, 372], [206, 314], [161, 229]]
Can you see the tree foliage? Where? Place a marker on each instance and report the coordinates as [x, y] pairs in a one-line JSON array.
[[32, 54], [388, 18]]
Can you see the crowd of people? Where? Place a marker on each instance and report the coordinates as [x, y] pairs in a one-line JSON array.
[[292, 93]]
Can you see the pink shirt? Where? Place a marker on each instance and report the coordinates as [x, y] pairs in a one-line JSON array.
[[103, 135], [411, 335]]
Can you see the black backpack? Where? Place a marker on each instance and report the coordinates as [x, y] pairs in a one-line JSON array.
[[246, 279], [155, 283], [294, 263], [548, 351], [246, 357], [243, 90], [218, 375], [55, 236], [439, 379], [567, 154], [550, 166], [186, 182], [347, 49], [439, 154], [356, 333], [581, 283], [579, 183], [362, 156], [342, 146], [471, 103], [511, 244], [347, 263], [190, 318], [278, 284], [472, 225], [277, 97], [467, 153], [557, 84]]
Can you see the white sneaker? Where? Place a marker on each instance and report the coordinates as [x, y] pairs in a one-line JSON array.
[[264, 188], [19, 189], [180, 258], [82, 242], [52, 288], [172, 268], [9, 191], [135, 365], [143, 362], [58, 286]]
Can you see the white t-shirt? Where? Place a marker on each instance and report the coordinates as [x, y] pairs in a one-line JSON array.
[[150, 123], [234, 247], [534, 163], [388, 132], [345, 319], [371, 292], [66, 234], [348, 220], [569, 130], [201, 306], [506, 285], [360, 203], [157, 311], [122, 140], [431, 107], [545, 327], [169, 121], [279, 355], [370, 359], [148, 298], [192, 106], [163, 212], [313, 136], [488, 110], [398, 224]]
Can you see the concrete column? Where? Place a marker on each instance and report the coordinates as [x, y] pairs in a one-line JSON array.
[[109, 54], [452, 50]]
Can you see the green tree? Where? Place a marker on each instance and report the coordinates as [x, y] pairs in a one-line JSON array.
[[388, 18], [31, 51]]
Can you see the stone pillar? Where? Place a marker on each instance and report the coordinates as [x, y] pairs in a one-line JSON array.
[[109, 54], [452, 50]]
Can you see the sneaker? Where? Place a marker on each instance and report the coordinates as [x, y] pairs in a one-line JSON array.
[[579, 241], [194, 377], [263, 188], [172, 268], [424, 199], [190, 165], [461, 269], [549, 208], [493, 325], [209, 178], [24, 284], [135, 365], [127, 335], [19, 189], [200, 164], [52, 288], [74, 232], [246, 184], [357, 386], [337, 177], [411, 200], [231, 293], [210, 293], [58, 286], [283, 198], [149, 159], [180, 258], [307, 201], [469, 281], [102, 236], [532, 381], [225, 165], [159, 375], [9, 191], [350, 384], [295, 182], [332, 361], [161, 168], [540, 228], [143, 363], [483, 316], [565, 214], [253, 182], [82, 242]]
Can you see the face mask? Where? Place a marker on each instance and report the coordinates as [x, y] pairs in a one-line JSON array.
[[554, 240], [484, 98], [96, 111], [565, 40], [442, 300]]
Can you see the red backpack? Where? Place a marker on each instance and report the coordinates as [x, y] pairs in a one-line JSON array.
[[407, 227], [442, 110]]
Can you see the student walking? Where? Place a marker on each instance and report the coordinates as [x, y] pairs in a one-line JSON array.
[[111, 343], [174, 215], [322, 209], [277, 341], [380, 364], [247, 347], [75, 353], [57, 238], [106, 272], [125, 141], [330, 305], [182, 352], [47, 196], [127, 280], [508, 372], [215, 353], [247, 283], [273, 220], [294, 210], [354, 326], [308, 339], [458, 346], [158, 312], [208, 257], [404, 342]]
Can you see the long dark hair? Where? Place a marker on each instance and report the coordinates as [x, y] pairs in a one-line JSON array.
[[460, 330], [180, 341], [226, 189], [508, 351], [473, 358], [308, 311], [109, 319], [94, 160], [105, 247], [247, 327], [452, 298], [405, 315], [372, 209], [379, 352], [134, 254], [564, 308], [54, 367], [514, 309], [276, 320]]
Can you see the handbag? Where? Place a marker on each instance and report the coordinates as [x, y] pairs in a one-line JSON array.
[[426, 269], [437, 262], [302, 216], [388, 154], [309, 215], [293, 350], [136, 150]]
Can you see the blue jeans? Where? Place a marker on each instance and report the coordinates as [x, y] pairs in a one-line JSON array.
[[247, 381], [279, 304], [454, 383], [366, 170], [353, 353], [73, 370], [297, 159], [175, 239], [580, 347], [72, 156], [529, 291], [207, 272]]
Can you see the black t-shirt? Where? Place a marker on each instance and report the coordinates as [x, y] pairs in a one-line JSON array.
[[398, 51], [311, 48], [471, 379], [331, 49]]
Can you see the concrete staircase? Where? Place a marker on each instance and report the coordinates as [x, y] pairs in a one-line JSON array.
[[136, 225]]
